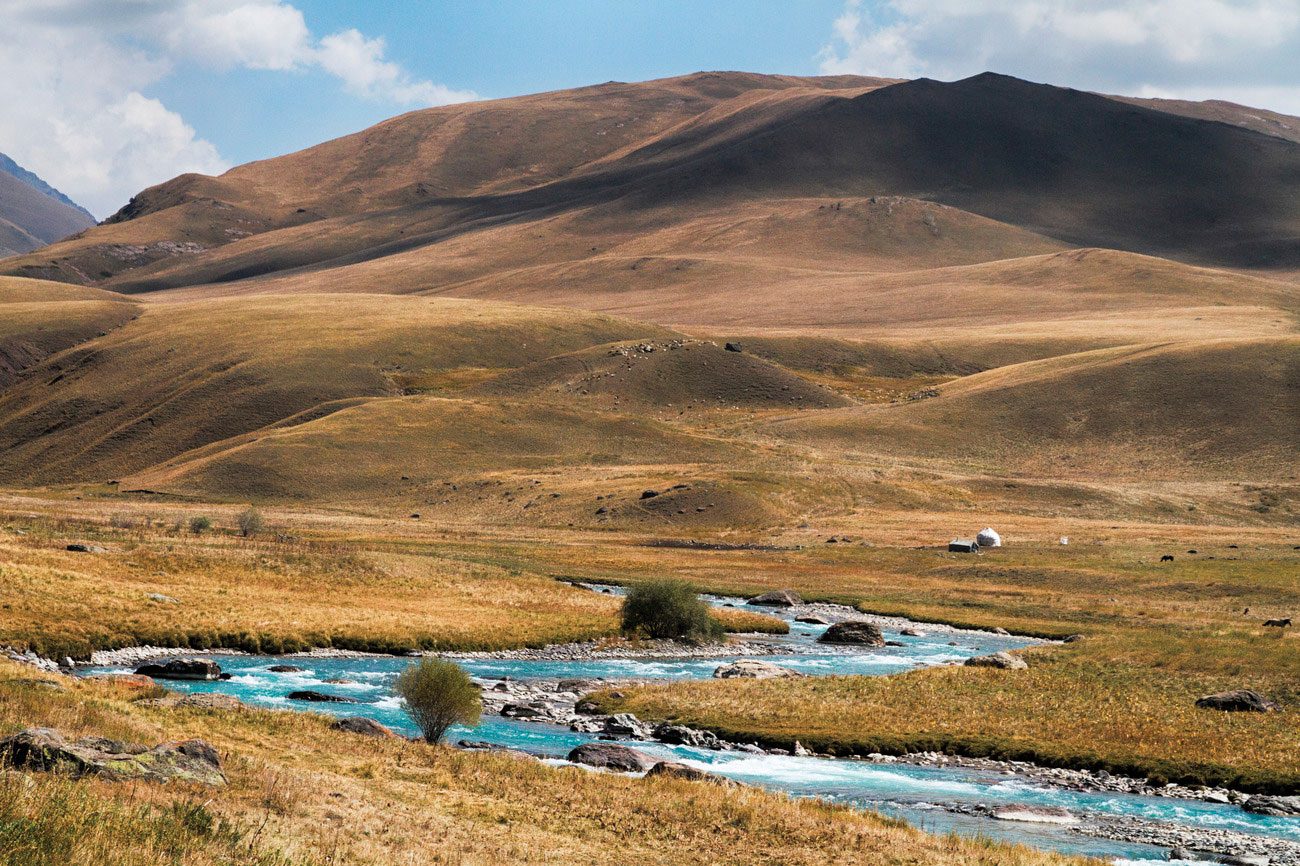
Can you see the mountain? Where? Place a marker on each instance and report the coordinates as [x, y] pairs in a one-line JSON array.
[[33, 213], [773, 297]]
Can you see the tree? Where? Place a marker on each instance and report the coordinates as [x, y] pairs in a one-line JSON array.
[[249, 521], [437, 694], [200, 525], [669, 608]]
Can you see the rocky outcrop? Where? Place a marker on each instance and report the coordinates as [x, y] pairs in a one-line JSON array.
[[754, 669], [612, 756], [200, 701], [681, 735], [777, 598], [854, 631], [320, 697], [1237, 701], [674, 770], [80, 547], [45, 750], [363, 726], [1002, 661], [182, 669], [1276, 807]]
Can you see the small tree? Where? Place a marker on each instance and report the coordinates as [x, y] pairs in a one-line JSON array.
[[249, 521], [437, 694], [669, 608], [200, 525]]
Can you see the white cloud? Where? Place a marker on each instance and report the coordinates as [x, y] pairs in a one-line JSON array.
[[359, 63], [74, 73], [1239, 50]]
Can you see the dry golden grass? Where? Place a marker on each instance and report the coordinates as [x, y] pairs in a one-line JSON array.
[[299, 789]]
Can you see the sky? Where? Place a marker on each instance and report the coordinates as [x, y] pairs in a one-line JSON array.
[[103, 98]]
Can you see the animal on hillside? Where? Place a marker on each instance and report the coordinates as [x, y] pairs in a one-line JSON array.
[[1278, 623], [1166, 558]]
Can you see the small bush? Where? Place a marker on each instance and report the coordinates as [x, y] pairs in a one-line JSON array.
[[669, 609], [437, 694], [249, 521], [121, 521], [200, 525]]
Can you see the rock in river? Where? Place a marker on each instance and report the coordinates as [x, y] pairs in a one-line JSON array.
[[753, 669], [853, 631], [45, 750], [1277, 807], [612, 756], [777, 598], [285, 669], [182, 669], [1003, 661], [1240, 701], [320, 697], [812, 619]]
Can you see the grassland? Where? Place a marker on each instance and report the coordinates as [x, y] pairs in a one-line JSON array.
[[302, 793]]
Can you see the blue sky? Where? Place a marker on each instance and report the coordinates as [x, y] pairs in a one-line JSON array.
[[106, 97]]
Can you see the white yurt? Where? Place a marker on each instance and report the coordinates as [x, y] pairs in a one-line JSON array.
[[989, 538]]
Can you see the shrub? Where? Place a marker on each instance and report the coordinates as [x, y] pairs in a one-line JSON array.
[[669, 608], [437, 694], [249, 521], [200, 525]]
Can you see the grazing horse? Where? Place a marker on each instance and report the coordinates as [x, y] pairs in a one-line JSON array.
[[1166, 558], [1278, 623]]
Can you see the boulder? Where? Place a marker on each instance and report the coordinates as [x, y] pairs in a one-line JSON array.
[[612, 756], [45, 750], [812, 619], [777, 598], [1035, 814], [285, 669], [1000, 630], [87, 548], [574, 685], [1003, 661], [681, 735], [626, 725], [912, 632], [523, 711], [753, 669], [1238, 701], [363, 726], [1277, 807], [162, 599], [320, 697], [853, 631], [674, 770], [182, 669], [1074, 638], [130, 681]]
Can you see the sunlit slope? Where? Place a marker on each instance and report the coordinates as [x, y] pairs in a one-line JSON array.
[[415, 447], [1220, 409], [183, 375], [39, 319]]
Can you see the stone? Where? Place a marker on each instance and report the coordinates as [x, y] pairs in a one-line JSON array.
[[45, 750], [733, 347], [285, 669], [164, 599], [1239, 701], [573, 685], [1277, 807], [1245, 860], [753, 669], [911, 632], [522, 711], [777, 598], [612, 756], [1002, 661], [649, 494], [320, 697], [681, 735], [586, 708], [626, 725], [363, 726], [1001, 630], [812, 619], [182, 669], [674, 770], [87, 548], [130, 681], [1035, 814], [1074, 638], [853, 631]]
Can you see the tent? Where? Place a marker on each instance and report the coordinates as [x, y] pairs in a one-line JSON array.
[[989, 538]]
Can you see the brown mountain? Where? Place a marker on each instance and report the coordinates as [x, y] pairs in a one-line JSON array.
[[31, 217]]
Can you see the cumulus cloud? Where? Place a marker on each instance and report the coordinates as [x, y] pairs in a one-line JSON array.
[[74, 76], [1241, 50]]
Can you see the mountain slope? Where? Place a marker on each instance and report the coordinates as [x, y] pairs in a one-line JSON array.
[[30, 218], [31, 179]]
